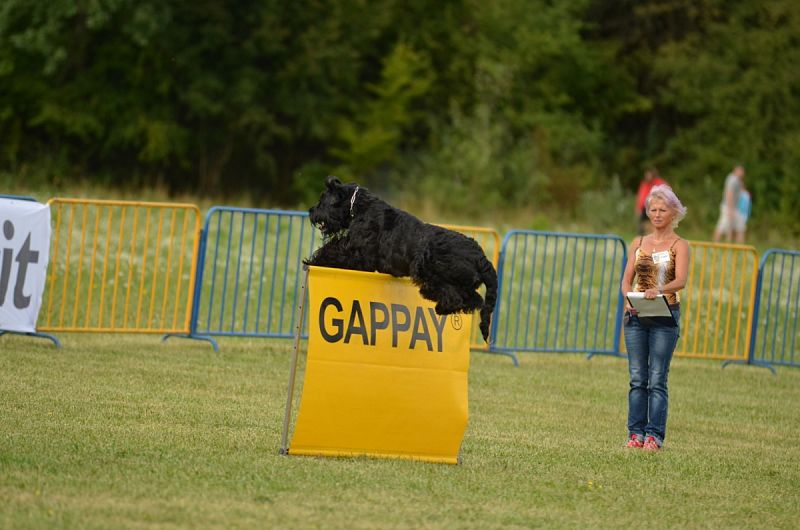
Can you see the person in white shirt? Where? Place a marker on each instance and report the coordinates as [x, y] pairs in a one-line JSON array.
[[731, 222]]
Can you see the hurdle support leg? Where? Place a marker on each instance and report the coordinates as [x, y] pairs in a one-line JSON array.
[[192, 336], [33, 334], [287, 416]]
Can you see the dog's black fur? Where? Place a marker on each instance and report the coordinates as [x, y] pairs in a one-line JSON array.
[[365, 233]]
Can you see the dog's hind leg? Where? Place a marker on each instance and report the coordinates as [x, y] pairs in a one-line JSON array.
[[446, 297], [450, 299], [429, 292], [459, 301], [472, 301]]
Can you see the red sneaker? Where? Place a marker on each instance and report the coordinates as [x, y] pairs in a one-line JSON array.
[[650, 444], [635, 441]]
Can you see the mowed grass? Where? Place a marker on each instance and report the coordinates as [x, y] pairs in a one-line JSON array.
[[128, 432]]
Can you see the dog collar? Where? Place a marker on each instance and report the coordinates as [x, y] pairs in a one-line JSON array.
[[353, 200]]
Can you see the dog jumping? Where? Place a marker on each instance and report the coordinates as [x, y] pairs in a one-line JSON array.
[[364, 233]]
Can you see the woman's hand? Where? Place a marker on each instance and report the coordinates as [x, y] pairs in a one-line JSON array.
[[629, 308], [650, 294]]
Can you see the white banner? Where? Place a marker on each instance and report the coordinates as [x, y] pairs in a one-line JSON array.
[[24, 253]]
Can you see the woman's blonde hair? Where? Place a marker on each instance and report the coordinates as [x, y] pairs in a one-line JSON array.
[[665, 193]]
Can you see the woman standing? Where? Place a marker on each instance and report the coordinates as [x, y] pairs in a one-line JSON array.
[[658, 264]]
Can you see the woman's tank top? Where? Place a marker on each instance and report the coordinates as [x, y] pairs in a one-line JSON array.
[[651, 275]]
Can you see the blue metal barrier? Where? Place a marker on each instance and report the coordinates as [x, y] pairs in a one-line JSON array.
[[776, 336], [47, 336], [558, 292], [249, 273], [17, 197]]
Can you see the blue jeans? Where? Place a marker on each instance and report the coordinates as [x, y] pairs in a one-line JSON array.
[[649, 355]]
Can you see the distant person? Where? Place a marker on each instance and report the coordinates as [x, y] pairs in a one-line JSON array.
[[745, 207], [658, 265], [731, 222], [651, 178]]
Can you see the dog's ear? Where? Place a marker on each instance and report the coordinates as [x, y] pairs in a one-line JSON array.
[[332, 182]]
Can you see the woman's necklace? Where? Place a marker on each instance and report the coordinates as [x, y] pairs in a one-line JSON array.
[[655, 242]]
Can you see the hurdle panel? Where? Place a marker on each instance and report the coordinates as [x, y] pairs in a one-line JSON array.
[[717, 302], [250, 272], [776, 335], [120, 266], [559, 292], [489, 240], [413, 378]]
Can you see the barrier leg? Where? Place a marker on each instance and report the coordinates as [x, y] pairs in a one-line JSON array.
[[293, 367], [610, 354], [34, 334], [192, 336], [753, 363]]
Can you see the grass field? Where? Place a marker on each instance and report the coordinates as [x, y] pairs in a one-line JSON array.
[[128, 432]]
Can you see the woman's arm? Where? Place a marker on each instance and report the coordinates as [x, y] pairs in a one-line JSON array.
[[627, 276], [681, 267]]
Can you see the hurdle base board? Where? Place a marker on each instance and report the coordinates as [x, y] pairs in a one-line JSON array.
[[433, 459]]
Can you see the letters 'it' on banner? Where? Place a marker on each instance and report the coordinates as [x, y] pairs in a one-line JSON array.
[[24, 253], [385, 375]]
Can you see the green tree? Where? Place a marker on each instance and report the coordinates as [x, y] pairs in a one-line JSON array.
[[481, 104], [373, 133], [736, 87], [718, 87]]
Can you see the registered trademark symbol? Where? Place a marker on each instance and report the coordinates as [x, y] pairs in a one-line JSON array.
[[455, 320]]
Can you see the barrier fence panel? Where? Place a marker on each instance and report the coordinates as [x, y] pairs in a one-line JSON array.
[[250, 272], [717, 302], [559, 292], [489, 240], [120, 266], [776, 335], [17, 197]]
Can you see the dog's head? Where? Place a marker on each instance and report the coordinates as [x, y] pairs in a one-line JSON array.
[[333, 212]]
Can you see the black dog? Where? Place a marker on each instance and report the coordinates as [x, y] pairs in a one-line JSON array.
[[365, 233]]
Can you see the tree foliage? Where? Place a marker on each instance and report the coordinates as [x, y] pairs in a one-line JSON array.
[[479, 104]]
